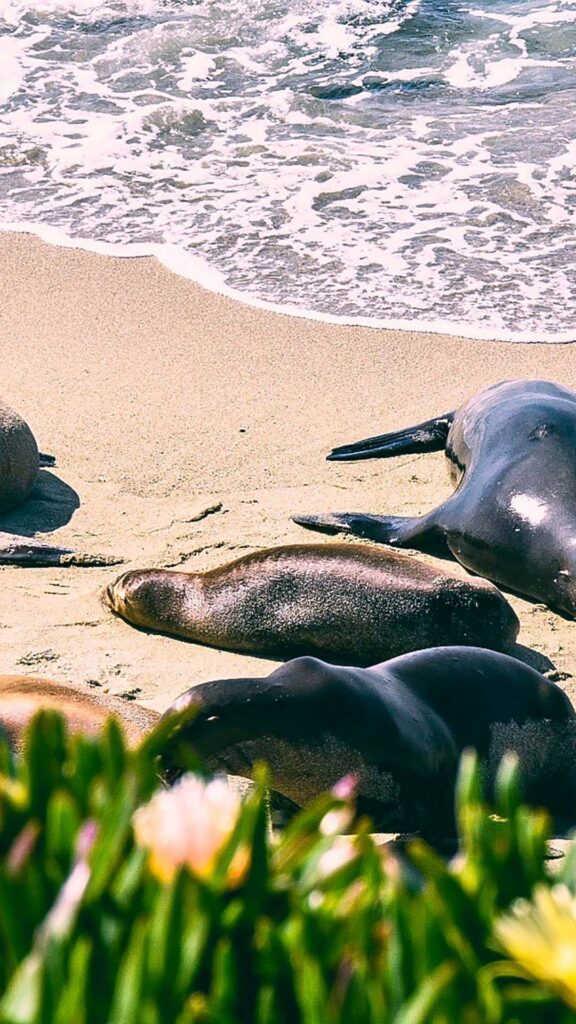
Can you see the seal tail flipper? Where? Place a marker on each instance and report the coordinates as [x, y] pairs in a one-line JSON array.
[[424, 437], [400, 531], [46, 460], [15, 550]]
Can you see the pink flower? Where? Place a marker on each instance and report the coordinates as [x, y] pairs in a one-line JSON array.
[[189, 825], [338, 856], [346, 787]]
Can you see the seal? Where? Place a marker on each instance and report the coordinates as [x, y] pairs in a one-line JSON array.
[[355, 602], [19, 459], [512, 518], [22, 696], [20, 462], [400, 727]]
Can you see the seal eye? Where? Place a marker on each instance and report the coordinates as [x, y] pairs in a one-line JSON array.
[[541, 431]]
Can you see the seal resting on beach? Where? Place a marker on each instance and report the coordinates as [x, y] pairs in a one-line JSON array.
[[400, 727], [20, 462], [22, 696], [19, 459], [344, 601], [512, 518]]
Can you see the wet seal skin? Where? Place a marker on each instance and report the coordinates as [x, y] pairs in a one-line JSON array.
[[512, 518], [400, 726], [354, 602]]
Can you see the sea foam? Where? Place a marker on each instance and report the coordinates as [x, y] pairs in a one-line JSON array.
[[403, 164]]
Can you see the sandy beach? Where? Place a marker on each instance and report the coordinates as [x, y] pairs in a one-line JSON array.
[[188, 428]]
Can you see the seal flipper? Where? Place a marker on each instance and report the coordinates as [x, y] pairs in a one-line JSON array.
[[429, 436], [15, 550], [400, 531]]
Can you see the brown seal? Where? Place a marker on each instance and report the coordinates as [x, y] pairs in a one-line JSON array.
[[22, 696], [353, 602]]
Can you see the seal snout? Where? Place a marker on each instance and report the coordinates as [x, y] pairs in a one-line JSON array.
[[116, 594], [138, 596], [564, 599]]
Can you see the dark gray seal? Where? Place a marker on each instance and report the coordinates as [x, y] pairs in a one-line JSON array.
[[400, 727], [512, 518], [354, 602]]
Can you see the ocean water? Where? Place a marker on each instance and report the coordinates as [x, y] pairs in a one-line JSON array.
[[393, 162]]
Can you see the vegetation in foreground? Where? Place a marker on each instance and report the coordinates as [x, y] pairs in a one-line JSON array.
[[122, 902]]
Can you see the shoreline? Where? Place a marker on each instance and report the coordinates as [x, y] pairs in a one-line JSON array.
[[199, 272], [188, 428]]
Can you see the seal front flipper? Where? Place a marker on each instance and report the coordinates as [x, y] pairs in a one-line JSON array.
[[400, 531], [15, 550], [429, 436]]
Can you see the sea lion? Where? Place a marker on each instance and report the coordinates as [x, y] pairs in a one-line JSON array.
[[400, 727], [22, 696], [512, 518], [347, 601]]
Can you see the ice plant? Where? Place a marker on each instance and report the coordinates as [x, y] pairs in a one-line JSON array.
[[540, 935], [340, 819], [338, 856], [188, 825]]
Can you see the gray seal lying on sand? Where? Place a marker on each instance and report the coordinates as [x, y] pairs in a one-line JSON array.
[[22, 696], [512, 454], [400, 727], [19, 459], [20, 462], [345, 601]]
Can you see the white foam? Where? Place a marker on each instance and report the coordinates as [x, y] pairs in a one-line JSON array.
[[13, 10], [196, 269], [200, 134]]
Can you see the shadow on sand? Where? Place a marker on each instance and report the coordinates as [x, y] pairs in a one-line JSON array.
[[51, 505]]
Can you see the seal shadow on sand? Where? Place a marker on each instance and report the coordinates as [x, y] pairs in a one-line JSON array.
[[50, 505], [534, 659]]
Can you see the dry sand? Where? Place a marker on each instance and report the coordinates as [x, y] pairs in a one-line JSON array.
[[187, 429]]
